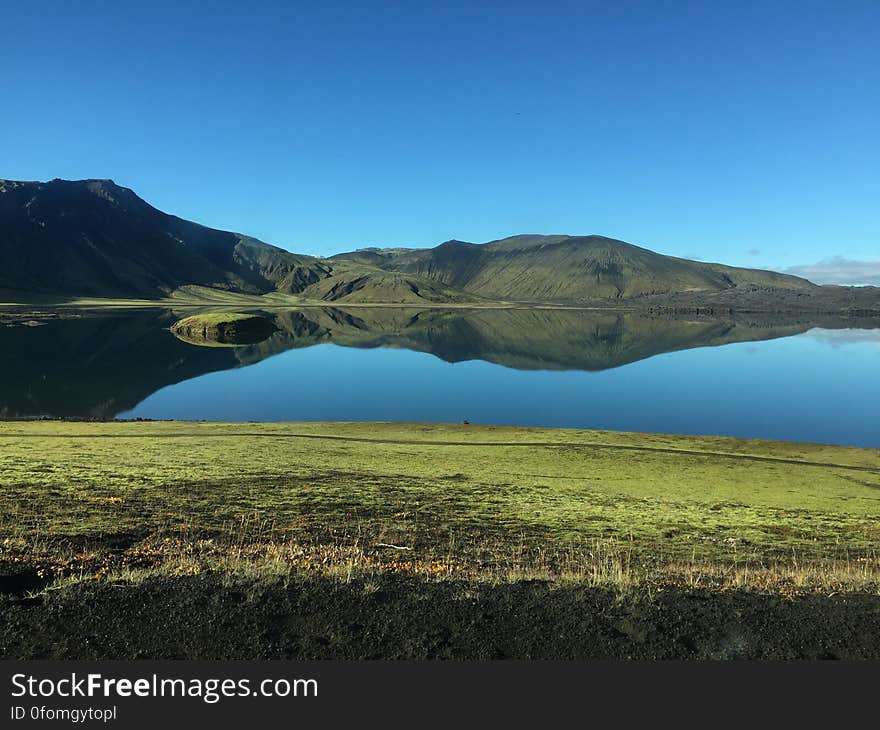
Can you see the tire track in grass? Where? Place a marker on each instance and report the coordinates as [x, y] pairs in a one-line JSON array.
[[481, 444]]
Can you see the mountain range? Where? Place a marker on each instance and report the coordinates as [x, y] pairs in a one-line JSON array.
[[94, 238]]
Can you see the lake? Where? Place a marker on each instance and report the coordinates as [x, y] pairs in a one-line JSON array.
[[793, 380]]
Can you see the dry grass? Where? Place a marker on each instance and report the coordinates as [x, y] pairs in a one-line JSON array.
[[251, 550]]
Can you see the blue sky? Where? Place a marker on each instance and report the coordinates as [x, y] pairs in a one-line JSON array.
[[733, 131]]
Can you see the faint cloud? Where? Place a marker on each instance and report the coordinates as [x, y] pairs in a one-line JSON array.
[[840, 270], [754, 252], [839, 338]]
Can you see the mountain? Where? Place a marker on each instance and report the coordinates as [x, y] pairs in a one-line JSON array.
[[365, 285], [564, 269], [95, 238]]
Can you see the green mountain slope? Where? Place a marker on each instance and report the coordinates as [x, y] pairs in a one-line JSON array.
[[361, 284], [564, 269]]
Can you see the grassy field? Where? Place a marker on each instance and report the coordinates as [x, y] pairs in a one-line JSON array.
[[493, 503]]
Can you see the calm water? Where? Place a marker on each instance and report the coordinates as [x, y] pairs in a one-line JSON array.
[[538, 369]]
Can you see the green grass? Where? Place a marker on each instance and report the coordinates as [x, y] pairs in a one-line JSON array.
[[477, 496], [212, 319]]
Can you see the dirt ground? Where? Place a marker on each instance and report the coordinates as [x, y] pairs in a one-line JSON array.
[[393, 616]]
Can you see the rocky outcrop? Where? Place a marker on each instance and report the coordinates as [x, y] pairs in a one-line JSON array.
[[223, 329]]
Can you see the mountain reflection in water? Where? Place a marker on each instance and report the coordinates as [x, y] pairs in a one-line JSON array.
[[101, 365]]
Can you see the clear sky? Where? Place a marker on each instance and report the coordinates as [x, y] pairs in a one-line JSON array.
[[733, 131]]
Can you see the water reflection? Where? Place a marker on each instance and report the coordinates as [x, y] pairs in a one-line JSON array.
[[100, 365]]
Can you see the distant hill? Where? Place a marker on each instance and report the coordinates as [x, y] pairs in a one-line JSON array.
[[564, 269], [93, 238]]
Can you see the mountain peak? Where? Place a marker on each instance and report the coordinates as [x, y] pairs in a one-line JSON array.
[[94, 237], [565, 268], [103, 187], [85, 181]]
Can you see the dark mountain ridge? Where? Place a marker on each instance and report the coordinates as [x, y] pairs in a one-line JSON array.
[[93, 237]]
